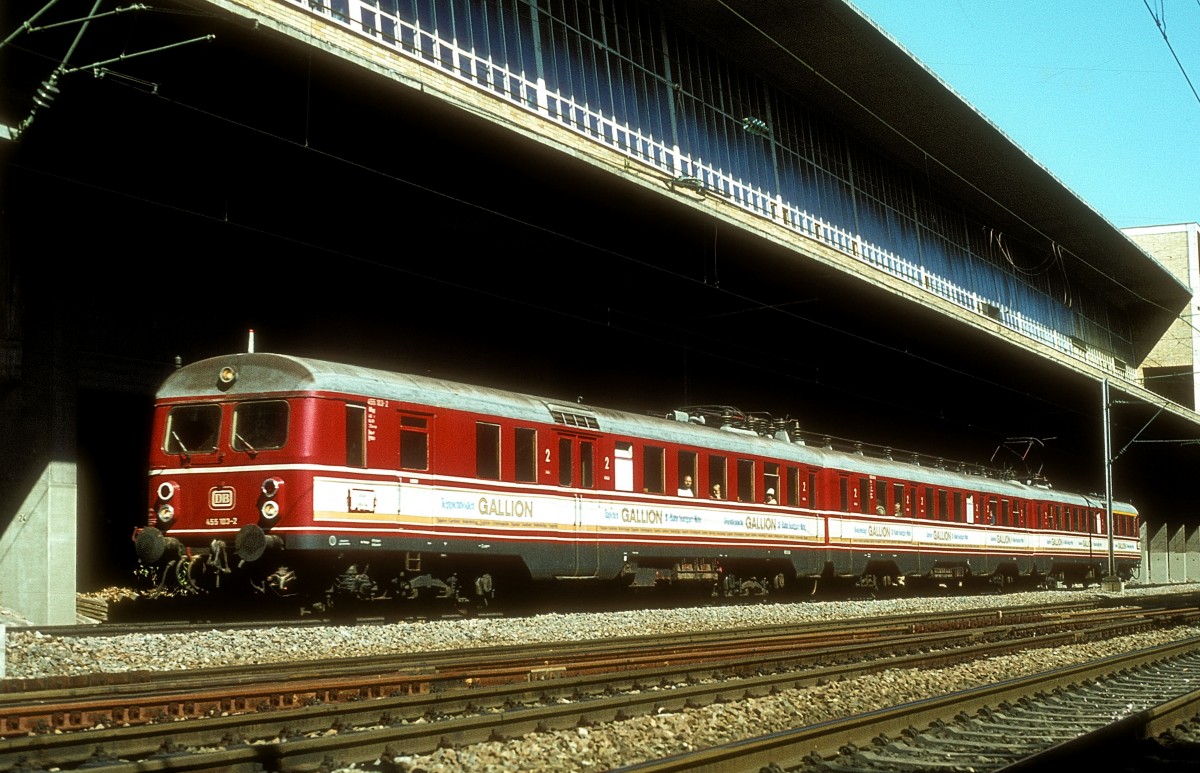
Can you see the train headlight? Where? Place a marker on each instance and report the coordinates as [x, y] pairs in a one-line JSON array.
[[227, 376], [166, 513], [167, 489], [272, 486], [270, 510]]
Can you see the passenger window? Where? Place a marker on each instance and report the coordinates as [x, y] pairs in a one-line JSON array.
[[623, 464], [566, 461], [771, 481], [414, 443], [718, 485], [261, 425], [356, 433], [745, 480], [192, 429], [487, 450], [587, 464], [793, 486], [525, 455], [653, 477], [686, 462]]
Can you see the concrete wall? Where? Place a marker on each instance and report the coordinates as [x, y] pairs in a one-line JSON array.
[[38, 550], [1176, 247], [1170, 553]]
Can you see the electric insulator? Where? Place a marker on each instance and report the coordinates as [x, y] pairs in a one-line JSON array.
[[46, 93]]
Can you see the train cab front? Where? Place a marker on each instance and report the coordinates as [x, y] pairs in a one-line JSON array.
[[220, 484]]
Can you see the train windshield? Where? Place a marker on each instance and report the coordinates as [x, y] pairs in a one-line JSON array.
[[193, 429], [260, 425]]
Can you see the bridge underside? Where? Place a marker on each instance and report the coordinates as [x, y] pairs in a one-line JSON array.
[[229, 185]]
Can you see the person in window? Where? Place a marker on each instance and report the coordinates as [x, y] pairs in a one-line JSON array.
[[686, 490], [715, 491], [898, 510], [771, 497]]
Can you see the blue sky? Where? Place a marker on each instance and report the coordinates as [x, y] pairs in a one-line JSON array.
[[1089, 88]]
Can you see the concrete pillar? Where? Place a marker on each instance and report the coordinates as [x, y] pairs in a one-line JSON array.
[[1154, 544], [1177, 553], [38, 550], [1191, 563]]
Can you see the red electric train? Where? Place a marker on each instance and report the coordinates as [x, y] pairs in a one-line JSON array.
[[305, 476]]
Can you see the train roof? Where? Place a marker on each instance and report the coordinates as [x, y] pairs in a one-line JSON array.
[[254, 374]]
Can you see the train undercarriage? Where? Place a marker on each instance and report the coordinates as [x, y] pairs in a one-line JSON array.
[[257, 564]]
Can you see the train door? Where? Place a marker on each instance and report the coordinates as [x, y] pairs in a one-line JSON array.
[[577, 472], [414, 463]]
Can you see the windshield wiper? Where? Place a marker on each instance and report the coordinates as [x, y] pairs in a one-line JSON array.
[[249, 448], [185, 453]]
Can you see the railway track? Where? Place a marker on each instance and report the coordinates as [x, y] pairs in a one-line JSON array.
[[1036, 723], [367, 709]]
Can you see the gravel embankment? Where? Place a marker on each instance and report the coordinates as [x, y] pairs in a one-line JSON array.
[[31, 654]]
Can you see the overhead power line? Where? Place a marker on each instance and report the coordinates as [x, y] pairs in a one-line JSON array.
[[1162, 29]]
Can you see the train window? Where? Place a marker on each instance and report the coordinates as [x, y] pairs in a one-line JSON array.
[[487, 450], [192, 429], [771, 478], [812, 489], [793, 486], [931, 509], [525, 455], [587, 464], [1005, 512], [957, 513], [718, 486], [260, 425], [414, 443], [880, 506], [566, 461], [899, 499], [745, 480], [864, 495], [844, 493], [356, 436], [623, 464], [653, 469], [686, 462]]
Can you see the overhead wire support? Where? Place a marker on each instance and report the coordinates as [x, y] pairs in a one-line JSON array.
[[28, 25], [95, 66], [91, 17], [48, 90]]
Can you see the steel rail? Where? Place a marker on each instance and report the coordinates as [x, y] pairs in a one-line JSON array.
[[671, 687], [791, 748]]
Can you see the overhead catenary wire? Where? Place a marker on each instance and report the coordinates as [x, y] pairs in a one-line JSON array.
[[1159, 21]]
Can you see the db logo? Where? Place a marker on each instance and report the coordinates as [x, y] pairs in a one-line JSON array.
[[220, 498]]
